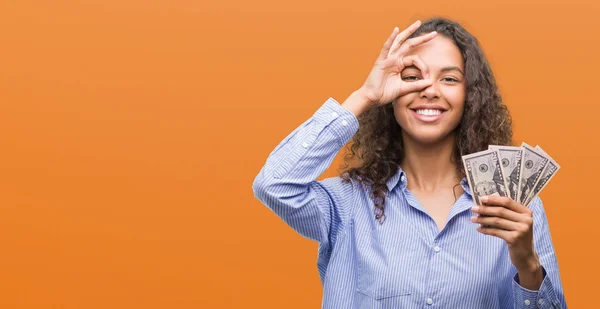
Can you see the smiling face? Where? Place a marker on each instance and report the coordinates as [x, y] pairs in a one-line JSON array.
[[430, 115]]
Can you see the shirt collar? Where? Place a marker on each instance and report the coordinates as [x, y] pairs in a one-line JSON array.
[[465, 185], [399, 178]]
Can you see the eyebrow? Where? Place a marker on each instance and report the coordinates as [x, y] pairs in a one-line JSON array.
[[454, 68], [443, 70]]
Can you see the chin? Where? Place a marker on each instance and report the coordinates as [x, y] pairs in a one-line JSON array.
[[427, 137]]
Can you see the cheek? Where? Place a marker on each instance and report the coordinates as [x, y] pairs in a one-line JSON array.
[[400, 107], [455, 96]]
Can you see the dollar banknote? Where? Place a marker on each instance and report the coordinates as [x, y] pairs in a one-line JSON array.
[[532, 167], [520, 173], [551, 168], [484, 174], [511, 167]]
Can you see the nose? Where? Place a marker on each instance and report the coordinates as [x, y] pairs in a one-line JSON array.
[[431, 92]]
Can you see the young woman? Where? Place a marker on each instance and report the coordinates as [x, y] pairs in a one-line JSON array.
[[399, 228]]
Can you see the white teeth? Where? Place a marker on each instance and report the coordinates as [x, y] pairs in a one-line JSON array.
[[429, 112]]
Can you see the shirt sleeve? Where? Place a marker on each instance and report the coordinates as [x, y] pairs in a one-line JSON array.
[[550, 294], [287, 182]]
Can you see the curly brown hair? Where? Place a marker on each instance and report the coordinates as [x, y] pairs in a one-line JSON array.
[[376, 151]]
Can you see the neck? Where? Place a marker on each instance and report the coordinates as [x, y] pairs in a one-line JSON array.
[[429, 167]]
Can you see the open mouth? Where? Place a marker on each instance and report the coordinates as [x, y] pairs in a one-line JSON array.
[[429, 114]]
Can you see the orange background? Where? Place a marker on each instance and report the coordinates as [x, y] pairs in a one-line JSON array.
[[131, 132]]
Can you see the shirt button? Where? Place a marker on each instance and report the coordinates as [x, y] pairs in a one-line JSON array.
[[437, 249], [429, 301], [334, 115], [540, 301], [344, 123], [305, 145], [403, 178], [527, 302]]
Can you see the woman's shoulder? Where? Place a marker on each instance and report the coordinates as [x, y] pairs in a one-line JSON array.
[[346, 181], [340, 182], [344, 188]]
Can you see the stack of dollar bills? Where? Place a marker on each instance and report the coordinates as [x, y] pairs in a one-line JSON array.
[[517, 172]]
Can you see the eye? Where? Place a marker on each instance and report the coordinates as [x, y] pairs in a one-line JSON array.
[[410, 78], [450, 79]]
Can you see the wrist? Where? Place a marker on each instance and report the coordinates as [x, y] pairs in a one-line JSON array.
[[531, 274], [531, 266], [358, 102]]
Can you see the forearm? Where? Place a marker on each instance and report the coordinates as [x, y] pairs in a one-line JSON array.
[[287, 182]]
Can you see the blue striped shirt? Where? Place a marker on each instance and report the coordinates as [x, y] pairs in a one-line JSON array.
[[405, 262]]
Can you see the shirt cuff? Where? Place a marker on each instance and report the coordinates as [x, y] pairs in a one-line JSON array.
[[341, 121], [545, 297]]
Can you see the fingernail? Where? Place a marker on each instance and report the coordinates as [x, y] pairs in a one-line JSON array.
[[475, 208], [484, 199], [473, 218]]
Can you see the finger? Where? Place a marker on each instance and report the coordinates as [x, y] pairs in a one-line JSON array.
[[497, 211], [403, 35], [408, 87], [414, 60], [498, 222], [506, 235], [414, 42], [505, 202], [386, 46]]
